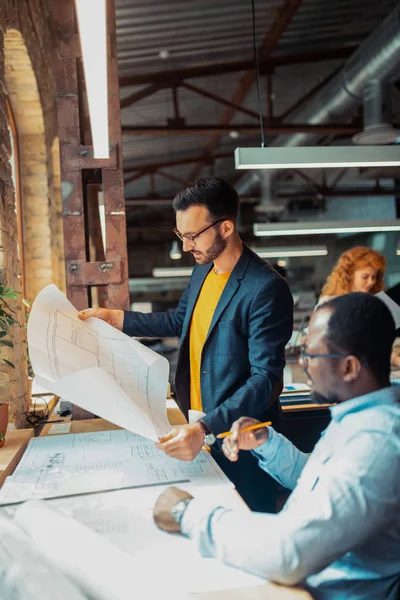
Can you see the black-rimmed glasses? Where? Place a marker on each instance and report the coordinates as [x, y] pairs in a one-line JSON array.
[[304, 355], [191, 238]]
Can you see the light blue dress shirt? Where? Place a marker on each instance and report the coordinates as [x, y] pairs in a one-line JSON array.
[[339, 532]]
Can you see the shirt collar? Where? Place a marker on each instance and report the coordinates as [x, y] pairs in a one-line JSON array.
[[385, 396]]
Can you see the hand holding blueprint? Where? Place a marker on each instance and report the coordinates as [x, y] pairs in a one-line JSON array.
[[97, 367]]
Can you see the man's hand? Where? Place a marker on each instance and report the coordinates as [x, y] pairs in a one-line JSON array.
[[243, 441], [184, 442], [395, 358], [112, 317], [163, 509]]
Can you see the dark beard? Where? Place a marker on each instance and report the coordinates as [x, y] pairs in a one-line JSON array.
[[317, 398], [213, 251]]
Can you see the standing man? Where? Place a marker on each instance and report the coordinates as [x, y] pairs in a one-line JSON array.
[[234, 321]]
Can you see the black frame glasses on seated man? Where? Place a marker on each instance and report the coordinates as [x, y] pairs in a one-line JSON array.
[[304, 355], [191, 238]]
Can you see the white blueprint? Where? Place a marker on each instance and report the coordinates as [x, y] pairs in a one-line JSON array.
[[96, 366], [105, 460], [120, 549]]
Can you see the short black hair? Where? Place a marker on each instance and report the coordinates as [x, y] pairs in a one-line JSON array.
[[217, 195], [362, 325]]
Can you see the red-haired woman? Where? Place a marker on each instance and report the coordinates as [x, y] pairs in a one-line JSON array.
[[359, 269]]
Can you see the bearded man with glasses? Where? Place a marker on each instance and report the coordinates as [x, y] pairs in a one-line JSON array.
[[234, 321]]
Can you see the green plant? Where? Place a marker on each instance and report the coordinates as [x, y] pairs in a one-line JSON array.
[[7, 319]]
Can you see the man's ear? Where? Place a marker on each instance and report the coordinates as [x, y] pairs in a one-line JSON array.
[[352, 367], [227, 228]]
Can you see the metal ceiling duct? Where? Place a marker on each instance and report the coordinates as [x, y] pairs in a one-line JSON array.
[[377, 58], [378, 128]]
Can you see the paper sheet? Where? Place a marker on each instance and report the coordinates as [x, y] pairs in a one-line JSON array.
[[97, 367], [104, 460], [130, 538], [392, 306], [23, 569], [98, 567]]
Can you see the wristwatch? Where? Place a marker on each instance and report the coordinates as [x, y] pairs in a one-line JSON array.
[[178, 510], [209, 437]]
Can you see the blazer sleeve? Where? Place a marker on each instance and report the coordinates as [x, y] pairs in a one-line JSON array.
[[161, 324], [269, 329]]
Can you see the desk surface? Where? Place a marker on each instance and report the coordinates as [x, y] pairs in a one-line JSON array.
[[12, 451], [268, 591]]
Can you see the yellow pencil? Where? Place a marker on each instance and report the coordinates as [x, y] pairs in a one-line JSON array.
[[249, 428]]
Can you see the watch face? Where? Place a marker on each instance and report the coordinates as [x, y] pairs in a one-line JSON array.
[[209, 439], [179, 509]]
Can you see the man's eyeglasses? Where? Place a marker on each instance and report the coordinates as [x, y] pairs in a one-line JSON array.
[[191, 238], [305, 356]]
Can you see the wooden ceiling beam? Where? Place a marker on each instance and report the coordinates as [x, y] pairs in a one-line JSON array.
[[219, 130], [212, 69]]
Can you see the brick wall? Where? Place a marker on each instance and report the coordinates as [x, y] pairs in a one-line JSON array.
[[26, 76]]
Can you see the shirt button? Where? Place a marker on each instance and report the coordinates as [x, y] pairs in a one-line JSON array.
[[206, 372]]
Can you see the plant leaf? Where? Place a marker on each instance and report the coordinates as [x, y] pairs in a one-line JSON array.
[[8, 363], [7, 343]]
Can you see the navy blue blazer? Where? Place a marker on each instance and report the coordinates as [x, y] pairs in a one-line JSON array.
[[244, 353]]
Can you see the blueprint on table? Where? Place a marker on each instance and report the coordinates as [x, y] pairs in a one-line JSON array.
[[97, 367], [106, 460]]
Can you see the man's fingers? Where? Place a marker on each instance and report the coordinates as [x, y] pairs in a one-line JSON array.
[[88, 312]]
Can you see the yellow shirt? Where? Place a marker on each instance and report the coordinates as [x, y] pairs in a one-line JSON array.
[[203, 313]]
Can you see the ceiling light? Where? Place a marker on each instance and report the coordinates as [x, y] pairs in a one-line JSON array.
[[307, 157], [92, 23], [172, 272], [163, 54], [282, 263], [175, 252], [234, 135], [291, 251], [323, 227]]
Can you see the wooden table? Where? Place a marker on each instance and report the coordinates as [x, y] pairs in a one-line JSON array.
[[12, 451], [267, 591]]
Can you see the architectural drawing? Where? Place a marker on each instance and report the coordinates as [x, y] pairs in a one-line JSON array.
[[97, 367], [82, 463]]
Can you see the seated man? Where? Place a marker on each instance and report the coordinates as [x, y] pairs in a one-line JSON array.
[[339, 532]]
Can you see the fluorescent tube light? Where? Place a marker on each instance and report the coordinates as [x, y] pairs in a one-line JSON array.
[[92, 23], [291, 252], [323, 227], [310, 157], [172, 272]]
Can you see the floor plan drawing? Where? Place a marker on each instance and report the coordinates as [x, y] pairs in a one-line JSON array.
[[97, 367], [66, 337], [83, 463]]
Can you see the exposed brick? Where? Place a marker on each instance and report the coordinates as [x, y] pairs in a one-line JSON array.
[[26, 74]]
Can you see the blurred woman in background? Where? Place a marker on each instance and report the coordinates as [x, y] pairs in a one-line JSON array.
[[359, 269]]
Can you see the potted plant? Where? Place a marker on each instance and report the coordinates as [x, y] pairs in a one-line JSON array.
[[7, 322]]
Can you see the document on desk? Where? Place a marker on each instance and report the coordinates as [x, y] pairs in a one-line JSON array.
[[137, 560], [97, 367], [392, 306], [82, 463]]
